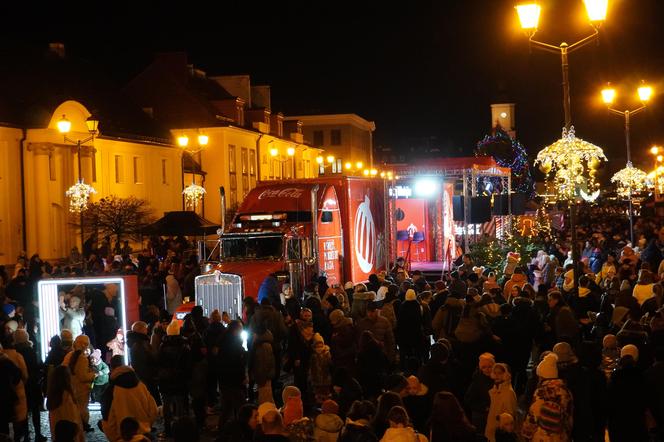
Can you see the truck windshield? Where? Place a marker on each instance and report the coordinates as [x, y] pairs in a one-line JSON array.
[[252, 247]]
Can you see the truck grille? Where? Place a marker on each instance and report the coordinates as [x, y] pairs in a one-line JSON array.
[[221, 291]]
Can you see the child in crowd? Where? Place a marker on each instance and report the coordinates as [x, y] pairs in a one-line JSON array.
[[610, 354], [503, 398], [320, 372], [505, 429], [102, 373]]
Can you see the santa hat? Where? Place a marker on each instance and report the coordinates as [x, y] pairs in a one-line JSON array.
[[410, 295], [548, 368]]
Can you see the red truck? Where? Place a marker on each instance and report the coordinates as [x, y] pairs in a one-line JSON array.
[[335, 226]]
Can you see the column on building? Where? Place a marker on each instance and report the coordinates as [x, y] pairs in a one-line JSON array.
[[87, 157], [41, 153]]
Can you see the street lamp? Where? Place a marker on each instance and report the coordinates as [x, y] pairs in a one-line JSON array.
[[290, 154], [193, 193], [630, 180], [529, 14], [79, 193]]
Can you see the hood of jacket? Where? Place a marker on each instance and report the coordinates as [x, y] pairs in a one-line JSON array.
[[364, 296], [330, 423], [518, 278], [133, 338], [400, 435], [124, 377]]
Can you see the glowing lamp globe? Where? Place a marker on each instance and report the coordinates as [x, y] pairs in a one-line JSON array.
[[529, 14], [645, 92], [596, 9], [64, 125]]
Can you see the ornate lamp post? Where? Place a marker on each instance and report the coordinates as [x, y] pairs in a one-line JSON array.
[[193, 193], [79, 193], [629, 180], [529, 18]]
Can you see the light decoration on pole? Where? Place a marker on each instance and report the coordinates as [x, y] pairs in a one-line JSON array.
[[629, 181], [79, 195], [193, 193], [571, 162]]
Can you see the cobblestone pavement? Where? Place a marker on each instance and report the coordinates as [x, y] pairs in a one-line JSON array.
[[98, 436]]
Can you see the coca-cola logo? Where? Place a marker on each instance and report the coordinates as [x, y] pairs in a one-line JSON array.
[[365, 236], [289, 192]]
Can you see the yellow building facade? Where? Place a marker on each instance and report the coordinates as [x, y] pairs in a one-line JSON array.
[[35, 192]]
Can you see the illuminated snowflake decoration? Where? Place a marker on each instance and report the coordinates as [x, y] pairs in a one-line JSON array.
[[193, 193], [629, 181], [572, 163], [79, 195]]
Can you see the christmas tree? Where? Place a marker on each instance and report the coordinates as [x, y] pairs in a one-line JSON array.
[[508, 152]]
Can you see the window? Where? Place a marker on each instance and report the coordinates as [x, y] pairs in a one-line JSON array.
[[319, 140], [51, 167], [232, 175], [307, 168], [138, 170], [326, 216], [335, 137], [119, 169], [164, 171], [244, 155], [337, 166], [252, 168]]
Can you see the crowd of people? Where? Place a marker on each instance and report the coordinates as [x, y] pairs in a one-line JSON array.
[[528, 352]]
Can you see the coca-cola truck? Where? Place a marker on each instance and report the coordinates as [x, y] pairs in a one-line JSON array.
[[333, 226]]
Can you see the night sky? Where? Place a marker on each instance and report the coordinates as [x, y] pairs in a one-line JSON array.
[[418, 69]]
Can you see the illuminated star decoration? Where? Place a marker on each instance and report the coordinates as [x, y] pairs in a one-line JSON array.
[[567, 160], [79, 195], [193, 193], [629, 181], [508, 152]]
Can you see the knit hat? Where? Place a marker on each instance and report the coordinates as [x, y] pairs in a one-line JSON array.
[[21, 336], [630, 350], [289, 391], [81, 342], [564, 352], [348, 285], [548, 368], [410, 295], [264, 408], [8, 309], [336, 317], [329, 407], [11, 325], [173, 328], [293, 410]]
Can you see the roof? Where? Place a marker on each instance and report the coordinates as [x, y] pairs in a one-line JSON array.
[[181, 223], [332, 119], [35, 84], [448, 166]]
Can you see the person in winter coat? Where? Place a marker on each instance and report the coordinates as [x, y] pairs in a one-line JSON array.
[[20, 411], [261, 363], [400, 429], [410, 329], [72, 316], [550, 414], [320, 369], [102, 375], [447, 317], [372, 366], [174, 368], [343, 342], [627, 401], [518, 279], [299, 354], [328, 424], [503, 399], [126, 396], [243, 428], [386, 401], [655, 391], [33, 392], [269, 289], [10, 376], [232, 372], [361, 299], [381, 330], [60, 402], [477, 398], [144, 356], [417, 403], [448, 422], [346, 390], [173, 292], [357, 427], [80, 366]]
